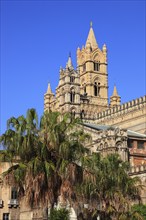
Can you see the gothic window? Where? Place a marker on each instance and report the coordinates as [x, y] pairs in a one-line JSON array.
[[72, 79], [96, 66], [72, 96], [14, 193], [84, 67], [96, 89]]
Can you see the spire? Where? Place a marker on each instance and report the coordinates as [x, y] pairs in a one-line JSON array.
[[91, 38], [115, 93], [49, 91], [69, 62]]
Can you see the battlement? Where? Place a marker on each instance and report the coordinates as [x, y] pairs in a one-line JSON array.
[[124, 108], [135, 170]]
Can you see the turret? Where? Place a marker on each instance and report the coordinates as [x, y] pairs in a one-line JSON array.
[[49, 91], [115, 99], [48, 98]]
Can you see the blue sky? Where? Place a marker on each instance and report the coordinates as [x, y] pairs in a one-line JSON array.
[[37, 36]]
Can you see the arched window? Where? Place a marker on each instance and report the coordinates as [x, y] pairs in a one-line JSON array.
[[96, 89], [72, 95], [72, 79]]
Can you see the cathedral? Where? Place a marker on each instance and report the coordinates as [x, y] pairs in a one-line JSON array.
[[114, 127], [84, 91]]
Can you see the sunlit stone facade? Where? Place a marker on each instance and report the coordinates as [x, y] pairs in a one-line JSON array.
[[84, 92]]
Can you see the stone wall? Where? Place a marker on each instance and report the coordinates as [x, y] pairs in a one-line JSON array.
[[5, 195]]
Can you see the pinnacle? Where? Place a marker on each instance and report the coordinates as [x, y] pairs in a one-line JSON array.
[[49, 91], [91, 38], [115, 93]]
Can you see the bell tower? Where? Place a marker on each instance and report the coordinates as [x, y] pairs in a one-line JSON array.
[[68, 90], [92, 65]]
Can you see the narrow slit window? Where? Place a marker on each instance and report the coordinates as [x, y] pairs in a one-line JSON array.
[[84, 67], [95, 89]]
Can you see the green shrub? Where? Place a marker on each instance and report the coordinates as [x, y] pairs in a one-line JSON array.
[[60, 214], [141, 209]]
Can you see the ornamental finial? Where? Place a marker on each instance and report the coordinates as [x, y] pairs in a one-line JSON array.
[[90, 23]]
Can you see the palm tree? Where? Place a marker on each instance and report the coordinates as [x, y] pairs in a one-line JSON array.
[[49, 161], [47, 155], [107, 187]]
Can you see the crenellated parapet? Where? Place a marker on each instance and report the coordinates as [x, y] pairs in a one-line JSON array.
[[124, 108], [123, 115]]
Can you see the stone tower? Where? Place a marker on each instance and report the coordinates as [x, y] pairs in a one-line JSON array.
[[92, 65], [68, 90], [67, 97], [84, 91]]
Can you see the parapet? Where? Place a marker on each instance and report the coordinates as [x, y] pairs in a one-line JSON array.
[[124, 108]]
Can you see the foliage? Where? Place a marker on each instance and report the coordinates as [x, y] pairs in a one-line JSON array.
[[108, 186], [141, 209], [59, 214], [46, 153], [49, 161]]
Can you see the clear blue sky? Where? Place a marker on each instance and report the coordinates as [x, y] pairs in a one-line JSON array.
[[37, 36]]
